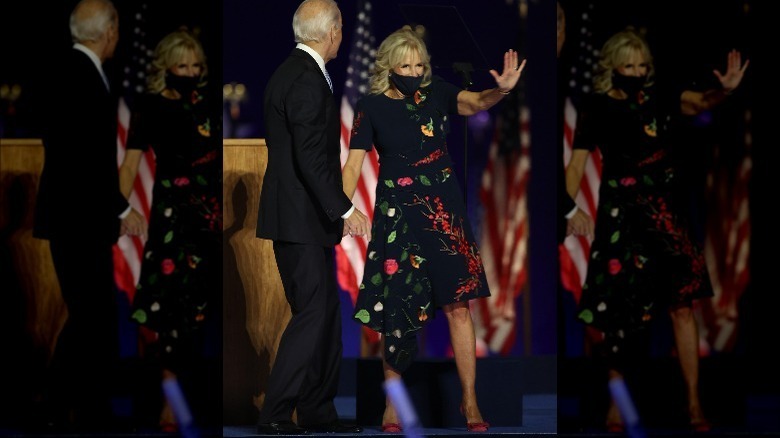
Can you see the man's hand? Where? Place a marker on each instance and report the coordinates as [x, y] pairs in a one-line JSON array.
[[357, 224], [134, 224], [581, 224]]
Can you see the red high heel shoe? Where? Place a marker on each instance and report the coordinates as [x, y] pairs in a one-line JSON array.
[[392, 428], [475, 427], [168, 427], [700, 426], [615, 427]]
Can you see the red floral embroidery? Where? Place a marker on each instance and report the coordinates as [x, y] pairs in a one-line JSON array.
[[680, 242], [628, 181], [614, 266], [356, 123], [167, 266], [181, 181], [205, 159], [435, 155], [443, 223], [653, 158], [405, 181], [391, 266]]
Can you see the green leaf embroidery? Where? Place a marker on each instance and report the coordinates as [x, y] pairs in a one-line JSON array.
[[612, 183], [363, 316], [140, 316], [376, 280], [166, 183], [168, 237], [615, 237], [391, 237], [424, 180], [201, 180], [417, 288], [404, 255], [389, 183], [409, 278], [383, 206], [648, 181], [411, 107], [587, 316], [386, 292], [405, 228]]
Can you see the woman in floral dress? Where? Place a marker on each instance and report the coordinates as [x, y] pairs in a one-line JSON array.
[[643, 260], [422, 255], [181, 272]]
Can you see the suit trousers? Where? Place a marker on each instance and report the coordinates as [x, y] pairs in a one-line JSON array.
[[306, 372], [87, 351]]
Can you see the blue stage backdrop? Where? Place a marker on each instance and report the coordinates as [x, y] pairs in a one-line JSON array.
[[258, 37]]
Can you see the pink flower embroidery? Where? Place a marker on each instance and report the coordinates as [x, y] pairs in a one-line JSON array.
[[168, 266], [181, 181], [405, 181], [614, 266], [628, 181], [391, 266]]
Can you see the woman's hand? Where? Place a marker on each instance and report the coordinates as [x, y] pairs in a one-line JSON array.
[[734, 72], [511, 74]]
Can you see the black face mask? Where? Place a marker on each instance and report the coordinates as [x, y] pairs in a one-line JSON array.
[[407, 85], [185, 85], [630, 84]]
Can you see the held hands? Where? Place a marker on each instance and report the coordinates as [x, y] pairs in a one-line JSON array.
[[734, 72], [134, 224], [581, 224], [357, 224], [511, 74]]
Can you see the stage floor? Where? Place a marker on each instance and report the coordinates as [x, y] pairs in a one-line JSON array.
[[539, 418]]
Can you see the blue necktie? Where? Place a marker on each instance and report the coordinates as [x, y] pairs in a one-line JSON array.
[[330, 83]]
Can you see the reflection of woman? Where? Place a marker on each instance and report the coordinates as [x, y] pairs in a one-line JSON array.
[[642, 260], [422, 254], [181, 271]]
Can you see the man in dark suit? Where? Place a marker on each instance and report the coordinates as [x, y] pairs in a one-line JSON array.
[[81, 211], [304, 210]]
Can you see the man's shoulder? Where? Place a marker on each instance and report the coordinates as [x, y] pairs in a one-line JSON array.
[[294, 68]]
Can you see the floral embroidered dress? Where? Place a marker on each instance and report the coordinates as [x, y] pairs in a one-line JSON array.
[[181, 271], [643, 260], [422, 254]]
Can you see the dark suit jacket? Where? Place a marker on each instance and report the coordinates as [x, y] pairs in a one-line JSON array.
[[302, 198], [79, 190]]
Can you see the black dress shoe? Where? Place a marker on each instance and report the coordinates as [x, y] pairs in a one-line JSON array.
[[334, 427], [280, 428]]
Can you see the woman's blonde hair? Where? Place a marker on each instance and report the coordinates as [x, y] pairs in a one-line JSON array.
[[169, 52], [391, 54], [616, 51]]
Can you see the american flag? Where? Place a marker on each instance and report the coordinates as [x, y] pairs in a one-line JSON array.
[[351, 253], [504, 234], [576, 249], [504, 227], [727, 243], [129, 250]]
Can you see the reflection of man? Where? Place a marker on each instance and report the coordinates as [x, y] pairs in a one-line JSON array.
[[301, 209], [80, 210], [575, 220]]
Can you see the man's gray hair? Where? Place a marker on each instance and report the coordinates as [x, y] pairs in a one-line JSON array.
[[91, 26], [314, 19]]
